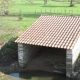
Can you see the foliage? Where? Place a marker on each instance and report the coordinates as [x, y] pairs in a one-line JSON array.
[[6, 13], [20, 16], [10, 49], [5, 4]]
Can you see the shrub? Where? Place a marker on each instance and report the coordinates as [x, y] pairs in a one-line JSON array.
[[6, 13], [20, 16], [10, 49]]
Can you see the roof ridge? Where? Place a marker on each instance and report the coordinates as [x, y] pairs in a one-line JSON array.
[[74, 16]]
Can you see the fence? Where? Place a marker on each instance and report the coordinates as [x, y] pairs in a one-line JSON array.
[[53, 12]]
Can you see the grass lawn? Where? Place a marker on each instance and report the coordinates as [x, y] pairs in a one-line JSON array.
[[11, 27]]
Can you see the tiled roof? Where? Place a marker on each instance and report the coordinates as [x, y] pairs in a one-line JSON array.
[[53, 31]]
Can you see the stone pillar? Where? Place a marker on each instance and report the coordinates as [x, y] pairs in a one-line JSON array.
[[21, 55], [71, 58], [68, 63], [25, 53]]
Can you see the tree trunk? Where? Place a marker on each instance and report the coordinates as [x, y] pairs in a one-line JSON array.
[[45, 2], [71, 3]]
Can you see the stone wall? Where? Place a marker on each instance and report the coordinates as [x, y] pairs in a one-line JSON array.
[[68, 63], [76, 52], [71, 58], [25, 53]]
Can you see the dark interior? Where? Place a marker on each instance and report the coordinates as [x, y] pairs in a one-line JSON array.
[[48, 59]]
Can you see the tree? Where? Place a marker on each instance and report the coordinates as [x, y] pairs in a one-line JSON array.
[[71, 3], [45, 2], [5, 4]]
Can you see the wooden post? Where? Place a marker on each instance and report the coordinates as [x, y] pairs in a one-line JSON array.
[[61, 11], [28, 11], [65, 11], [41, 11], [57, 11], [77, 11], [35, 11], [50, 11], [69, 11], [54, 11], [72, 12], [45, 10]]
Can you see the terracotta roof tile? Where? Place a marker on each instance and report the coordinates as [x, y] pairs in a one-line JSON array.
[[52, 31]]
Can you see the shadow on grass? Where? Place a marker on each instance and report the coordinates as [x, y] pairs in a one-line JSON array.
[[77, 2], [38, 14], [34, 15], [28, 15], [54, 6]]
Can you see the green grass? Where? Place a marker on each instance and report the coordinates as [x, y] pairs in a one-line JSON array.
[[39, 6], [11, 27]]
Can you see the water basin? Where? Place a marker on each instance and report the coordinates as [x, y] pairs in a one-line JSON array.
[[33, 75]]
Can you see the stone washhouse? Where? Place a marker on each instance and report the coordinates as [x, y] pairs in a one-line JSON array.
[[59, 32]]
